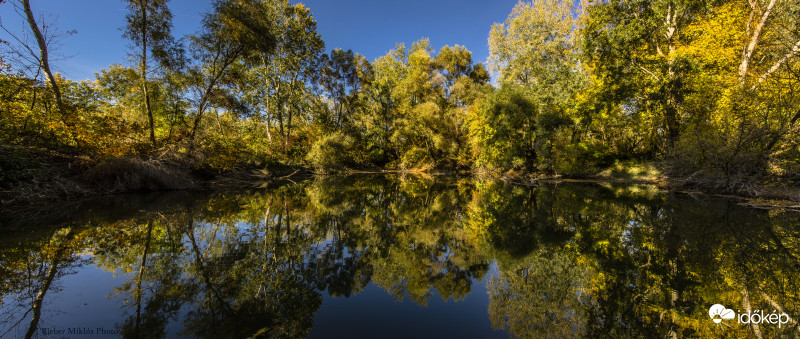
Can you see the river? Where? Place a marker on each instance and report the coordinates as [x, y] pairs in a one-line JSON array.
[[384, 256]]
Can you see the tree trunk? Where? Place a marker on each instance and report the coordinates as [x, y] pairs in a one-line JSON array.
[[221, 63], [140, 277], [671, 120], [267, 98], [747, 52], [279, 107], [748, 308], [148, 109], [280, 116], [44, 63], [671, 103], [48, 280], [200, 110]]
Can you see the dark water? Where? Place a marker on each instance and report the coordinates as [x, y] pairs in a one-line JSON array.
[[407, 257]]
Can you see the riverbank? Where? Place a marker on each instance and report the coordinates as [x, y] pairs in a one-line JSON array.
[[30, 175], [36, 176], [773, 195]]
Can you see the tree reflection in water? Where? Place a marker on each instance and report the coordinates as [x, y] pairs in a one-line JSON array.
[[573, 260]]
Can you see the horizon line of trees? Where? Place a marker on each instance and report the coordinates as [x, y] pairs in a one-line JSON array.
[[708, 88]]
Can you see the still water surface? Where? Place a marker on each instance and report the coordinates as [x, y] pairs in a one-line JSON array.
[[389, 256]]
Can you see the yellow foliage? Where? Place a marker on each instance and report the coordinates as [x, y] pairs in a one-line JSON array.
[[714, 41]]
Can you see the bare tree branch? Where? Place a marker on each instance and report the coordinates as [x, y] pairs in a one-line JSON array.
[[792, 52]]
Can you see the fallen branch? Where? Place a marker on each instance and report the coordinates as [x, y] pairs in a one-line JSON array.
[[290, 175]]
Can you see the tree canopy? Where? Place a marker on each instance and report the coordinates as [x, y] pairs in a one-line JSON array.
[[705, 89]]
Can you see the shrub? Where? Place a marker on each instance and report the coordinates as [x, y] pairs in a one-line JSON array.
[[332, 151], [416, 158], [580, 157]]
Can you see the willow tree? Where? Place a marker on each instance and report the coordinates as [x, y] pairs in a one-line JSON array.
[[417, 103], [342, 78], [294, 63], [275, 81]]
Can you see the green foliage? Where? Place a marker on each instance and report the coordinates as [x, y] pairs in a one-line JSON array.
[[581, 86], [502, 131], [17, 165], [535, 48], [632, 170], [581, 157], [331, 152], [416, 158]]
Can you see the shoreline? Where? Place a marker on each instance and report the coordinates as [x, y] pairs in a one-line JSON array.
[[64, 177]]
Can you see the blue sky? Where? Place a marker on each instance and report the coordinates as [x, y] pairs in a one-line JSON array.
[[368, 27]]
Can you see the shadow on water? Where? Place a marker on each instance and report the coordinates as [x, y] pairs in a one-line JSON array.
[[569, 261]]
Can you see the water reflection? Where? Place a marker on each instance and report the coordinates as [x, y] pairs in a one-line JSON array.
[[571, 260]]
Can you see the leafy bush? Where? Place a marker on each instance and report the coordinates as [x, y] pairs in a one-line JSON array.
[[580, 157], [731, 161], [501, 128], [16, 165], [332, 151], [416, 158], [221, 153], [630, 169]]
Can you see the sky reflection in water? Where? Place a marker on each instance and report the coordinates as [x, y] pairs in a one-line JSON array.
[[397, 256]]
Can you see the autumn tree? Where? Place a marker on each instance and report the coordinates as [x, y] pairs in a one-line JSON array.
[[632, 46], [426, 116], [536, 48], [39, 56], [294, 64], [740, 104], [768, 71]]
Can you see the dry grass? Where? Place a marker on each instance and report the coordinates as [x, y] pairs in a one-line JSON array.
[[59, 176], [125, 175]]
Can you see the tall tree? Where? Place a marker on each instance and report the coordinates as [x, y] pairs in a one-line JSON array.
[[342, 80], [259, 30], [633, 45], [234, 29], [277, 79], [149, 27], [295, 63], [417, 101], [773, 33], [37, 57], [536, 48], [742, 84]]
